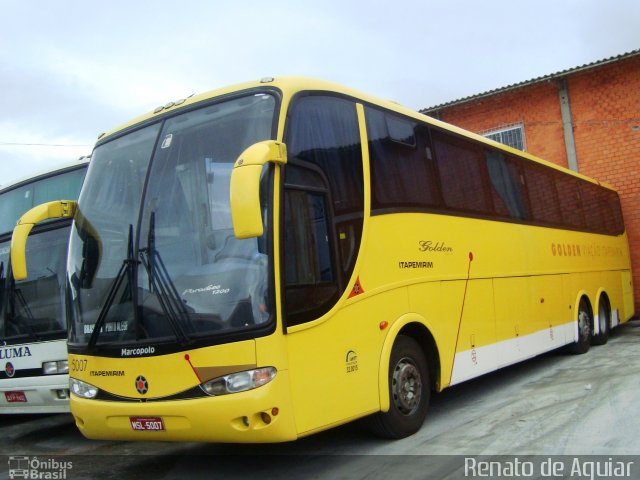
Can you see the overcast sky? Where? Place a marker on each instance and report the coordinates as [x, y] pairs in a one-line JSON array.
[[70, 70]]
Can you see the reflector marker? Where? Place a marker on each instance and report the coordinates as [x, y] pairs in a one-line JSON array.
[[357, 289]]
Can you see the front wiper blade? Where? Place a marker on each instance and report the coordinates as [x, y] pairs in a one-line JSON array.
[[2, 286], [128, 264], [23, 301], [160, 282], [12, 293]]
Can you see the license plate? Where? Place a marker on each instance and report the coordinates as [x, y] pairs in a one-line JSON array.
[[149, 424], [15, 397]]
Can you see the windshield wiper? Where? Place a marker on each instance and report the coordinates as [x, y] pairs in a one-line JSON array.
[[17, 293], [160, 282], [10, 293], [126, 269], [3, 294], [2, 286]]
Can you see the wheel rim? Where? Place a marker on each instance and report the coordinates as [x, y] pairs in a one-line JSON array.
[[406, 386], [584, 324]]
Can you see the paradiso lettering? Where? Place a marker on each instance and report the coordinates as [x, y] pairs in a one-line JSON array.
[[213, 289], [14, 352]]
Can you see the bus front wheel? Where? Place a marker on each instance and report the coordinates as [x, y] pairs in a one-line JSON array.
[[409, 391]]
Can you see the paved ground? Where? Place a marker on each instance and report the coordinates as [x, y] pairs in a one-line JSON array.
[[556, 404]]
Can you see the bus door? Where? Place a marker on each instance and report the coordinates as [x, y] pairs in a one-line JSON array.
[[323, 211]]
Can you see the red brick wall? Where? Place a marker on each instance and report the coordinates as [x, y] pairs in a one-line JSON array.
[[605, 107], [536, 107]]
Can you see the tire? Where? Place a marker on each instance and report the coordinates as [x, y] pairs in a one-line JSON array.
[[409, 391], [585, 327], [604, 322]]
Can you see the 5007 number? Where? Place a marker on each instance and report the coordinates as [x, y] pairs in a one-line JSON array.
[[78, 365]]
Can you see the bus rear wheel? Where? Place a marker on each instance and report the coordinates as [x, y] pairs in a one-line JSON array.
[[585, 327], [604, 323], [409, 391]]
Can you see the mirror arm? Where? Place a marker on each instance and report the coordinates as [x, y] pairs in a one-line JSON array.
[[39, 213]]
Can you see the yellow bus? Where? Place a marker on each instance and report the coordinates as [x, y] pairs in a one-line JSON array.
[[273, 259]]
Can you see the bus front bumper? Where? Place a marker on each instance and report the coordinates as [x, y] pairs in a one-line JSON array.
[[44, 394], [261, 415]]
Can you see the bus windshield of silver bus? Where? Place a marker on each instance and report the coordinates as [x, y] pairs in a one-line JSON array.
[[152, 256], [33, 309]]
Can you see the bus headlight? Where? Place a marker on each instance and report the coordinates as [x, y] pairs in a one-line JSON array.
[[55, 368], [82, 389], [239, 382]]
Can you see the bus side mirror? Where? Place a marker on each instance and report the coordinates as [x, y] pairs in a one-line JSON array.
[[45, 211], [244, 193]]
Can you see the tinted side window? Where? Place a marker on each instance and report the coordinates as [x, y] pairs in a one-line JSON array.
[[462, 174], [596, 209], [570, 201], [613, 212], [506, 186], [311, 262], [307, 235], [402, 173], [542, 194], [310, 273], [323, 205], [601, 209], [324, 131]]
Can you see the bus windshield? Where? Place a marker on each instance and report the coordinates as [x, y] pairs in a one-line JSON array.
[[160, 262], [33, 309]]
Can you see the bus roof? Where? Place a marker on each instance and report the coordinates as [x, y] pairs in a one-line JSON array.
[[292, 85]]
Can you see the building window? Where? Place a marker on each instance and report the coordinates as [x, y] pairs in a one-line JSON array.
[[512, 136]]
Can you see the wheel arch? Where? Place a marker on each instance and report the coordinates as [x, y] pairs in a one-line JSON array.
[[416, 327]]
